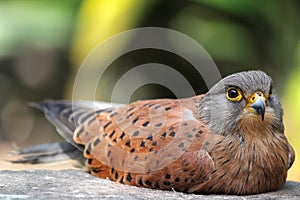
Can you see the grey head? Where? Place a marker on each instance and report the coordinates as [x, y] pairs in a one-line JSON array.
[[244, 94]]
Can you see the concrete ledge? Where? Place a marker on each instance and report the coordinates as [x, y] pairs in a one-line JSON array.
[[76, 184]]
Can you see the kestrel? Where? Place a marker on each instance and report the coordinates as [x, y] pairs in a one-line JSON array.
[[230, 140]]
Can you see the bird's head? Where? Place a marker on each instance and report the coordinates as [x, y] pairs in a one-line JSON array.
[[243, 99]]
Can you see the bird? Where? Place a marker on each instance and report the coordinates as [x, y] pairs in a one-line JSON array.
[[229, 140]]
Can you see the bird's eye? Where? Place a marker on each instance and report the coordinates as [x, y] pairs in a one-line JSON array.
[[234, 94]]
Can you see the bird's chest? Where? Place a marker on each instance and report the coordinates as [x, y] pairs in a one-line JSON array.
[[250, 166]]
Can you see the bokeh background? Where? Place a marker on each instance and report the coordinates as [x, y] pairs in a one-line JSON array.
[[43, 43]]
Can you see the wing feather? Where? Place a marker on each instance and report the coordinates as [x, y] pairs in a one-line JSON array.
[[146, 139]]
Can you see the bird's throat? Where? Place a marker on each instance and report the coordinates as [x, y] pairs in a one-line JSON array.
[[251, 125]]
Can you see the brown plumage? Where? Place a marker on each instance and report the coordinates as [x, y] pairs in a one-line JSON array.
[[230, 140]]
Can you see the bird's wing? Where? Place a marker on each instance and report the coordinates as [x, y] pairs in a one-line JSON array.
[[142, 119], [183, 164], [146, 136]]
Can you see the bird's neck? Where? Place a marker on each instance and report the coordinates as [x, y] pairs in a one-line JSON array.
[[258, 161], [251, 127]]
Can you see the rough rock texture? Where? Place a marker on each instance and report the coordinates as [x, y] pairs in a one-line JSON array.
[[76, 184]]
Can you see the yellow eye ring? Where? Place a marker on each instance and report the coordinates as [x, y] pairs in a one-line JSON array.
[[234, 94]]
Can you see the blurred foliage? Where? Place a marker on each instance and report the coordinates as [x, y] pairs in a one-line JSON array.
[[34, 64], [291, 103], [43, 43], [42, 23]]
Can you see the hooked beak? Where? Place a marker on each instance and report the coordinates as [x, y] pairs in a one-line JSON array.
[[257, 103]]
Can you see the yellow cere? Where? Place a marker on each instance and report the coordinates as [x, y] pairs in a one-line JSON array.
[[254, 97]]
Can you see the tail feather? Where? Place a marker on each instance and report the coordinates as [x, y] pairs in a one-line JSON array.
[[46, 153], [66, 117], [49, 148], [58, 113]]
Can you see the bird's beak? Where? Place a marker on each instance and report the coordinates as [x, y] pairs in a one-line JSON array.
[[257, 104]]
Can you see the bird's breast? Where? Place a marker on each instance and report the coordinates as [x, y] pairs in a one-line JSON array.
[[249, 165]]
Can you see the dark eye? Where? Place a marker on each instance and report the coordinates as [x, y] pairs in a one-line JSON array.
[[234, 94], [271, 90]]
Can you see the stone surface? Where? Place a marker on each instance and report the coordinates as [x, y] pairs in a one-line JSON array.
[[76, 184]]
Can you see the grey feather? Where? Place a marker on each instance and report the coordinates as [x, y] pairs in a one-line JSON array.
[[67, 116], [46, 153]]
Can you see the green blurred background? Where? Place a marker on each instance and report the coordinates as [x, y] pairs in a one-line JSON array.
[[43, 43]]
